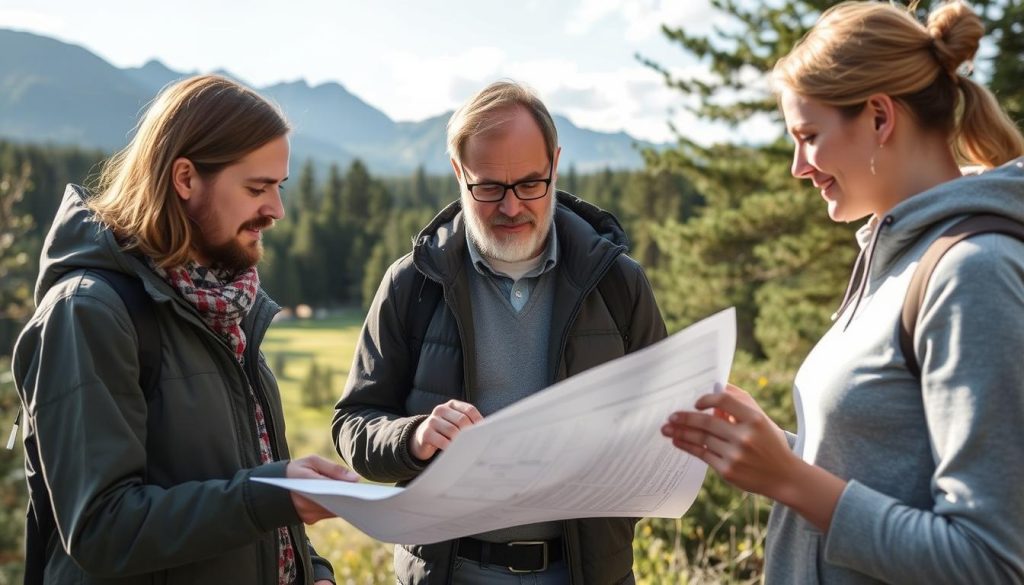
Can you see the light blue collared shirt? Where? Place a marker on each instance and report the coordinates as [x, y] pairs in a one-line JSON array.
[[516, 291]]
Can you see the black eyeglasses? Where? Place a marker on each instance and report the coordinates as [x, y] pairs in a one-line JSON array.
[[524, 190]]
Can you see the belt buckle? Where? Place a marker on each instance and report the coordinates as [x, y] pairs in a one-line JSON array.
[[544, 555]]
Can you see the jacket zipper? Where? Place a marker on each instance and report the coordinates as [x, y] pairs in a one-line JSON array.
[[466, 397]]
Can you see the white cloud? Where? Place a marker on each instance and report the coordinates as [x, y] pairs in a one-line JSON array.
[[543, 74], [589, 13], [433, 80], [583, 97], [37, 22], [636, 100], [630, 98], [633, 99], [642, 18]]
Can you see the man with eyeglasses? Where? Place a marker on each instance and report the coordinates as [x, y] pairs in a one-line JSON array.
[[508, 290]]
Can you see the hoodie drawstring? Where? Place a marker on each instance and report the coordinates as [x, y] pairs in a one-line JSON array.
[[855, 278], [14, 430], [859, 278]]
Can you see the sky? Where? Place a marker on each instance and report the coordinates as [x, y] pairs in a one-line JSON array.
[[416, 59]]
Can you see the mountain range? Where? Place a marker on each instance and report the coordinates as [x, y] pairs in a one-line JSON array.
[[59, 93]]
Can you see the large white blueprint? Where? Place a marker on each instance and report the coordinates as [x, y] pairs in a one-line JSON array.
[[589, 446]]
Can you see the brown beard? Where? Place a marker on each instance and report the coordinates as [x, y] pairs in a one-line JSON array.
[[230, 256]]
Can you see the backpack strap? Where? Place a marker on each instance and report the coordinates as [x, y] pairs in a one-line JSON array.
[[612, 287], [418, 314], [147, 328], [912, 303]]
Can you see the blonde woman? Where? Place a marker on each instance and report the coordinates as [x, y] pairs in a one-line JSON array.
[[895, 477]]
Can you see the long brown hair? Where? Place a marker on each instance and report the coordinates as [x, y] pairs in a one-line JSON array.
[[208, 119], [857, 49]]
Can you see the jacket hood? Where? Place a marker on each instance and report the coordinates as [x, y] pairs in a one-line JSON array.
[[76, 240], [586, 235]]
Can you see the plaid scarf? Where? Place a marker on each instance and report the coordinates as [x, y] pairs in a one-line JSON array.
[[223, 300]]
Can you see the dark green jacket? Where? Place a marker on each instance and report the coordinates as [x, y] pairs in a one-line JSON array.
[[386, 396], [157, 492]]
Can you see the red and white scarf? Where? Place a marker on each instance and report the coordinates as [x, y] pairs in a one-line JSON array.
[[222, 299]]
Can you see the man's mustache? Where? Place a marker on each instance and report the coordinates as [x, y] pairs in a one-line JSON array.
[[260, 223], [502, 219]]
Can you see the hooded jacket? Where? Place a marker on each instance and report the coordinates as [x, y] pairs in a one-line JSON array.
[[934, 466], [155, 492], [387, 396]]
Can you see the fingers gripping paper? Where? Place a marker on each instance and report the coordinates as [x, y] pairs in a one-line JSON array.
[[589, 446]]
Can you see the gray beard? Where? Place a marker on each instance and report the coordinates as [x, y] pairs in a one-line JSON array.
[[510, 248]]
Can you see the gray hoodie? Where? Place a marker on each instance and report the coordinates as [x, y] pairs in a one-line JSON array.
[[935, 467]]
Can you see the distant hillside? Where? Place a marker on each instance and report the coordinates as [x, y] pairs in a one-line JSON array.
[[55, 92]]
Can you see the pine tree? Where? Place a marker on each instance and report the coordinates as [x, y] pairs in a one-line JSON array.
[[332, 206], [305, 251], [305, 196], [422, 196], [572, 181], [15, 279], [355, 190], [369, 204], [395, 243], [1005, 23]]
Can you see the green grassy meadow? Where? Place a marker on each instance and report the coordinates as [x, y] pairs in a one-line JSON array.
[[297, 345]]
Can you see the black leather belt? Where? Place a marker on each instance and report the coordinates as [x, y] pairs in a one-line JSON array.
[[520, 556]]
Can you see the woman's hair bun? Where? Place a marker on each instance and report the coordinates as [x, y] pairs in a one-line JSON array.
[[956, 32]]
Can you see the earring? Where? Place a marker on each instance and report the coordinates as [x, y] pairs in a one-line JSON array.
[[880, 147]]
